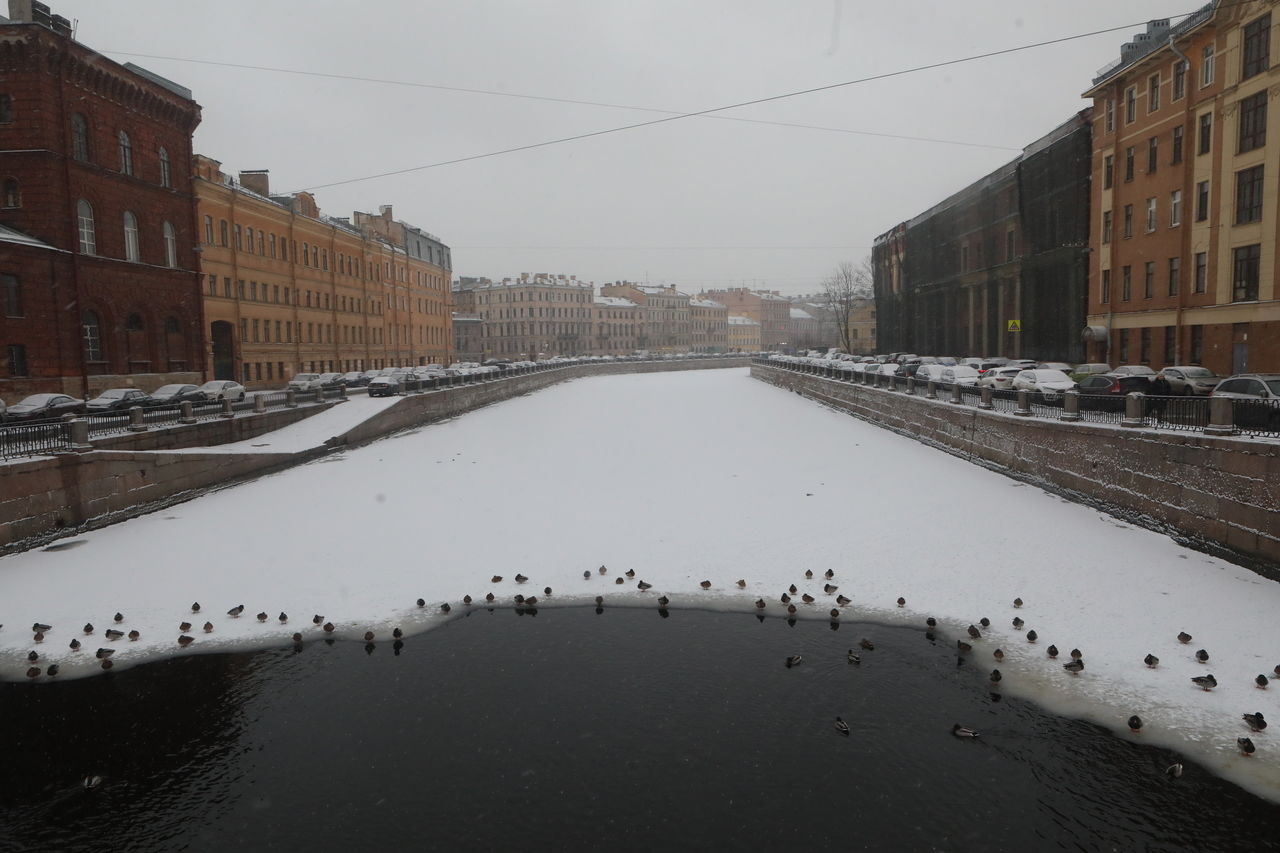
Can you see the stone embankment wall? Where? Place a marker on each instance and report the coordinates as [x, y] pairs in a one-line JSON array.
[[130, 474], [1217, 493]]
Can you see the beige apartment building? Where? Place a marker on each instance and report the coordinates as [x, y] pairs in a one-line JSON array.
[[288, 289], [744, 334], [617, 325], [708, 326], [531, 316], [1186, 215], [767, 307], [667, 317]]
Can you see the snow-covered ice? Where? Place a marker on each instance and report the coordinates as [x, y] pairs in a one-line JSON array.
[[682, 477], [309, 432]]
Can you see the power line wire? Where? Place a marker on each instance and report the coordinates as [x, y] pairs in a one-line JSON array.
[[555, 100]]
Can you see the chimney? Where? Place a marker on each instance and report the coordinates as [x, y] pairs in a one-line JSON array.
[[385, 210], [257, 181]]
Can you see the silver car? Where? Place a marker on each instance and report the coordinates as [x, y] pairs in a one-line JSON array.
[[1187, 381]]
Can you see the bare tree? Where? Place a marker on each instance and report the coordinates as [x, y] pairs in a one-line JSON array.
[[844, 291]]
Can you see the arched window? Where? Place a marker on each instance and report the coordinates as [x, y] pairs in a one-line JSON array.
[[126, 154], [133, 323], [12, 194], [92, 334], [166, 171], [131, 237], [84, 220], [249, 233], [170, 246], [79, 138]]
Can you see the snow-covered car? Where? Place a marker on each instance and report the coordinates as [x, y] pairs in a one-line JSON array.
[[305, 382], [1192, 380], [222, 389], [963, 374], [117, 399], [1089, 369], [175, 393], [386, 386], [331, 380], [355, 379], [1000, 378], [1050, 383], [930, 372], [1057, 365], [1135, 370], [39, 407]]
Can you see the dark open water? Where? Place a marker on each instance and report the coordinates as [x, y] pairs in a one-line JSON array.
[[572, 730]]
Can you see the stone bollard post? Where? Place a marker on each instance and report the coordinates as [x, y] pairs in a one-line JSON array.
[[910, 385], [1070, 406], [1134, 403], [893, 382], [227, 411], [955, 393], [291, 399], [136, 423], [259, 403], [1221, 417], [319, 395], [931, 390], [1024, 403], [78, 433], [985, 402], [342, 392], [188, 412]]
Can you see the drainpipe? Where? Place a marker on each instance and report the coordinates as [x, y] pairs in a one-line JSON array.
[[1188, 272]]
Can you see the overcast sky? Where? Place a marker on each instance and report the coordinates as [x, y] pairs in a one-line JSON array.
[[700, 202]]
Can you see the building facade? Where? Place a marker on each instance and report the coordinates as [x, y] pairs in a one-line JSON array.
[[289, 290], [767, 307], [617, 325], [531, 316], [708, 326], [744, 334], [97, 217], [668, 321], [1186, 153]]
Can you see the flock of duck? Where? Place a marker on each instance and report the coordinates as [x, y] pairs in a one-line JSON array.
[[1255, 721]]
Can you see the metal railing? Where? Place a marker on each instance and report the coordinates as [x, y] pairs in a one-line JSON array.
[[1256, 417], [35, 438]]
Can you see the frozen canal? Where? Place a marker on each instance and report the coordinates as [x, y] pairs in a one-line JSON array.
[[682, 477]]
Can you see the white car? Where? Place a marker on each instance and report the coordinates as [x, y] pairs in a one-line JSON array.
[[999, 378], [1048, 382], [963, 374], [930, 373], [222, 389], [305, 382]]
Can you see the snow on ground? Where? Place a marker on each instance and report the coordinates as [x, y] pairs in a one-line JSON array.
[[309, 432], [682, 477]]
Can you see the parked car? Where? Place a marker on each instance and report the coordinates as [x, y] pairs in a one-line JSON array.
[[1190, 380], [1057, 365], [3, 412], [1083, 370], [1135, 370], [386, 386], [1050, 383], [222, 389], [1106, 391], [999, 377], [963, 374], [172, 395], [1256, 399], [355, 379], [331, 380], [929, 373], [305, 382], [117, 399], [40, 407]]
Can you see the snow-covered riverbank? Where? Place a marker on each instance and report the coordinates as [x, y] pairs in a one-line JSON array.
[[681, 477]]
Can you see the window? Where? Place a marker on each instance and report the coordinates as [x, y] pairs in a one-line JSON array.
[[126, 154], [1249, 195], [79, 138], [1179, 80], [1149, 280], [208, 230], [222, 233], [18, 360], [1178, 133], [1128, 163], [1206, 67], [1130, 104], [1197, 344], [1170, 344], [1245, 278], [6, 109], [1106, 227], [1144, 345], [1202, 201], [12, 193], [1108, 171], [1126, 283], [130, 237], [1153, 154], [1110, 114], [1151, 215], [1253, 121], [271, 242], [91, 332], [1106, 286], [1175, 208], [1153, 93], [1202, 272], [12, 295], [1124, 345], [1175, 273], [170, 246], [133, 323], [213, 285], [1206, 133], [1010, 245], [84, 220], [1257, 47], [166, 171], [239, 238]]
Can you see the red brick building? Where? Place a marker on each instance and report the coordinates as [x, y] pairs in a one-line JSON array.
[[98, 269]]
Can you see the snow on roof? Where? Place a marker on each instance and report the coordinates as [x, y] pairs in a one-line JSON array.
[[615, 302], [800, 314], [704, 303], [735, 320], [9, 235]]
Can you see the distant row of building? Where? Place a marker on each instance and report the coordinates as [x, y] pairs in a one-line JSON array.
[[1144, 229]]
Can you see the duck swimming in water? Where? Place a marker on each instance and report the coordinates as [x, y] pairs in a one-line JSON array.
[[962, 731], [854, 658], [867, 644], [931, 622], [794, 660], [996, 677], [1255, 722], [368, 636], [1135, 723], [842, 727], [1174, 771], [599, 600], [663, 601], [963, 647], [328, 627], [998, 654]]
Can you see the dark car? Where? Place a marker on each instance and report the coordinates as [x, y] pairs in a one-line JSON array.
[[40, 407], [117, 400], [1255, 399], [386, 386], [355, 379], [1106, 391], [172, 395]]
